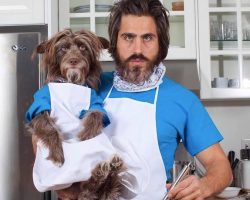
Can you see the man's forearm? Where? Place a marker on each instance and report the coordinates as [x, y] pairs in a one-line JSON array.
[[216, 179], [218, 175]]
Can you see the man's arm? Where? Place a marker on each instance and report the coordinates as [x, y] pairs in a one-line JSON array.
[[218, 176]]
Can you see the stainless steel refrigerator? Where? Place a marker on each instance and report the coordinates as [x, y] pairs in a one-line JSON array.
[[20, 77]]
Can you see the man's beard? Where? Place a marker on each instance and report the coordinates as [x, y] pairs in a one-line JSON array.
[[135, 74]]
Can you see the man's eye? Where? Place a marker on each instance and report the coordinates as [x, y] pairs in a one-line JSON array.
[[147, 38], [128, 37]]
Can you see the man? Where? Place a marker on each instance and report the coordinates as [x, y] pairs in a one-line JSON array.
[[152, 112], [139, 41]]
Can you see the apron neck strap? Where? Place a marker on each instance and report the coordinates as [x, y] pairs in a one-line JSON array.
[[109, 93], [155, 97]]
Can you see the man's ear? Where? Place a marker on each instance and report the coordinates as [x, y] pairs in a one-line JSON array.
[[104, 42]]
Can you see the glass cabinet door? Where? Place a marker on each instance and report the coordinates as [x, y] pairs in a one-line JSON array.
[[224, 48], [177, 22], [87, 14], [93, 15], [246, 30], [182, 29]]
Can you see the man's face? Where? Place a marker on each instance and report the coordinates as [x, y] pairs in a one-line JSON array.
[[137, 47]]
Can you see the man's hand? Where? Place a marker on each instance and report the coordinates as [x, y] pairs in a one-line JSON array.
[[187, 189], [218, 176]]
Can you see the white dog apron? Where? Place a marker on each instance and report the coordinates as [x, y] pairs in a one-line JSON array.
[[80, 156], [134, 123]]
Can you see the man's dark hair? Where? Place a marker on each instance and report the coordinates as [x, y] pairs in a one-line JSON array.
[[153, 8]]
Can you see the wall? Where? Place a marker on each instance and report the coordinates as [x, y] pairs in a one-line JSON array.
[[233, 120]]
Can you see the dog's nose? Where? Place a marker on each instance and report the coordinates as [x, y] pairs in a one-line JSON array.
[[73, 61]]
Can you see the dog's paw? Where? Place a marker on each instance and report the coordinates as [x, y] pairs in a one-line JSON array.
[[93, 125], [85, 135], [56, 156], [116, 163], [101, 172]]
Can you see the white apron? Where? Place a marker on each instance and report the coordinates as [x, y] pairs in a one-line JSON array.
[[67, 101], [133, 123], [81, 157]]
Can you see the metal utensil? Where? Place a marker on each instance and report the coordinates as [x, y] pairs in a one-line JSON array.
[[182, 174], [235, 163], [231, 156]]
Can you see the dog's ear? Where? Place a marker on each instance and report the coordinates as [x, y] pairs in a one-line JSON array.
[[40, 49], [104, 41]]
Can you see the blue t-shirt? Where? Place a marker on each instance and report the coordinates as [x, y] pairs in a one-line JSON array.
[[179, 116]]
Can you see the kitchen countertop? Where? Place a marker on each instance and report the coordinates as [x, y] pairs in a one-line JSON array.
[[242, 196]]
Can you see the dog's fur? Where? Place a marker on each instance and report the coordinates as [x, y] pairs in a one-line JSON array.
[[73, 57]]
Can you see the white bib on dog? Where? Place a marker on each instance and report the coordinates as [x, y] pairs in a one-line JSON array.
[[67, 101]]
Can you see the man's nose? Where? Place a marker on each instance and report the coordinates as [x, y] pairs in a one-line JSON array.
[[138, 46]]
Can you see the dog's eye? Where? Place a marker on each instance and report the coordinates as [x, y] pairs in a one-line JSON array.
[[64, 48], [82, 48]]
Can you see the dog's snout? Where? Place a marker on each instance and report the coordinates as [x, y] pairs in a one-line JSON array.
[[73, 61]]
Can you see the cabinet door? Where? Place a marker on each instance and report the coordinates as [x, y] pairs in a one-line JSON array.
[[86, 14], [22, 12], [182, 29], [224, 47], [93, 15]]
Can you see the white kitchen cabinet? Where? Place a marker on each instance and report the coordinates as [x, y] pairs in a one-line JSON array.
[[224, 48], [93, 15], [14, 12]]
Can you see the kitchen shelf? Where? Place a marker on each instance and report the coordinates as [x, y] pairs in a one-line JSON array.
[[224, 52], [222, 9], [245, 9], [176, 13], [224, 40]]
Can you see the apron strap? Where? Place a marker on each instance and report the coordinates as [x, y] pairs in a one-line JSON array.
[[155, 98], [109, 93], [156, 95]]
